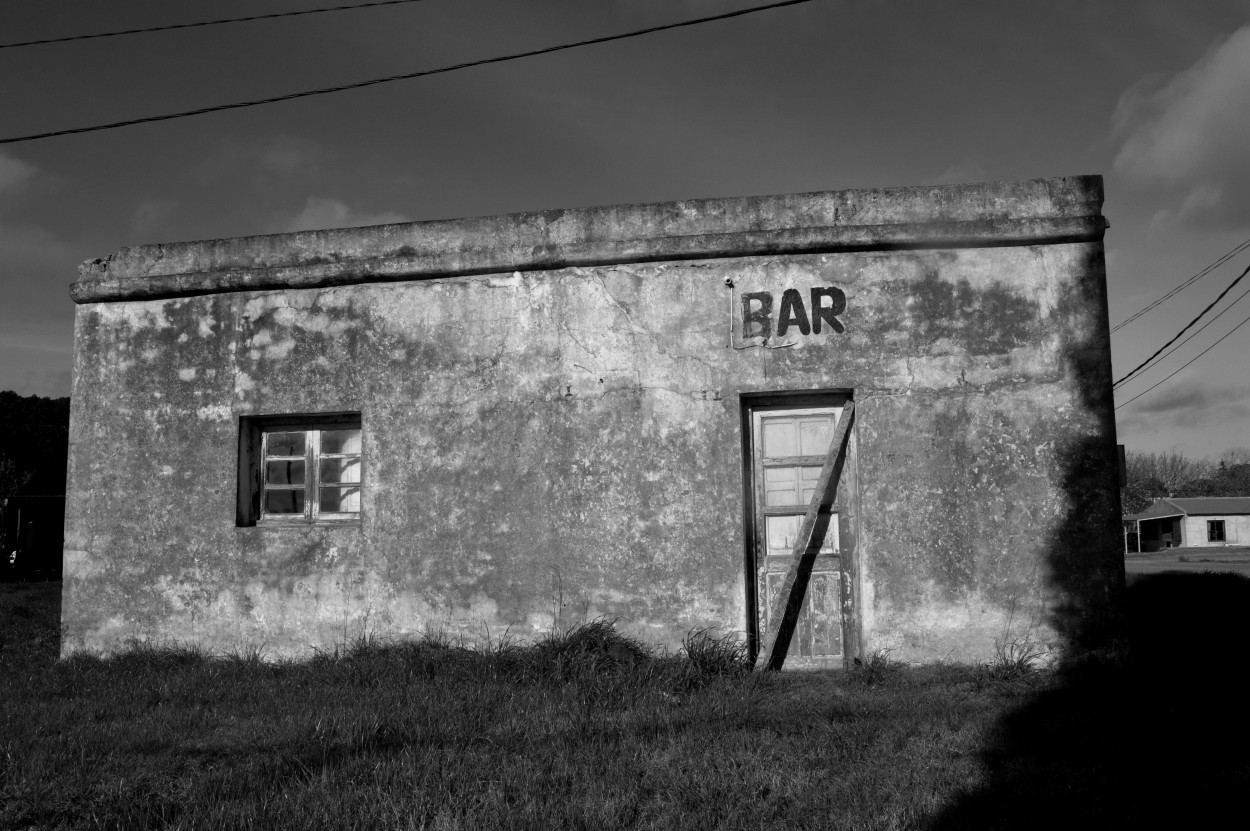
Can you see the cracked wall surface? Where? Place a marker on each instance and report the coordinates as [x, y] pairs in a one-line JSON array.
[[551, 445]]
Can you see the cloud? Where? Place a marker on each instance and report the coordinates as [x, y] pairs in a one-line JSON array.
[[289, 155], [1191, 395], [25, 247], [283, 157], [150, 214], [1188, 405], [323, 212], [14, 173], [1188, 135]]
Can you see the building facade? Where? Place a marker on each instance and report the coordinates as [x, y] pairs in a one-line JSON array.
[[509, 424], [1197, 522]]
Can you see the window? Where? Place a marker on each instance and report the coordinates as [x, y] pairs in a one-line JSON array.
[[300, 469], [1215, 530]]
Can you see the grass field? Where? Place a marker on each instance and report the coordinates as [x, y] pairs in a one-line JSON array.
[[1234, 559], [588, 730]]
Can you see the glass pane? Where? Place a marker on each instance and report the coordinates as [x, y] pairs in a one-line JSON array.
[[284, 444], [334, 471], [340, 500], [782, 531], [284, 502], [815, 433], [779, 437], [808, 476], [340, 441], [284, 472], [779, 486], [832, 543]]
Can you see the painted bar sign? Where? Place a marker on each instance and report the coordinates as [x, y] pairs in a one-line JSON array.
[[822, 310]]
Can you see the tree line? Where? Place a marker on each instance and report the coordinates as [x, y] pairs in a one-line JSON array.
[[34, 444], [1153, 475]]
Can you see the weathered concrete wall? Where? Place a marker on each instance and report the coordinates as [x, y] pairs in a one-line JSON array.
[[553, 444]]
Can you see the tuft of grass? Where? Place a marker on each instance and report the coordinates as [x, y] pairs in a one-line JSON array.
[[1015, 660], [246, 655], [877, 668], [711, 655], [595, 646]]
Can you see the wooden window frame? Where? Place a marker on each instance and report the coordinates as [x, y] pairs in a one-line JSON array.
[[1212, 526], [252, 455]]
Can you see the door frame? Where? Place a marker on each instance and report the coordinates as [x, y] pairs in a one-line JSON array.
[[848, 488]]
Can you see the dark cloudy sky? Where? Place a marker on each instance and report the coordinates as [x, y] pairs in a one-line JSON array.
[[1152, 94]]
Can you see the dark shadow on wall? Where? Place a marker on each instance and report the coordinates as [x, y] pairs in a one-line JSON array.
[[1142, 726], [1149, 735], [1086, 567]]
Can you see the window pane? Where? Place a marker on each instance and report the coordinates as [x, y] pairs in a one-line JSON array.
[[340, 441], [340, 500], [809, 476], [779, 437], [782, 532], [334, 471], [815, 433], [288, 472], [779, 486], [284, 502], [284, 444]]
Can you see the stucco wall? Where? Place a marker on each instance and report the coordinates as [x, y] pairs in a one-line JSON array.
[[553, 444], [1236, 531]]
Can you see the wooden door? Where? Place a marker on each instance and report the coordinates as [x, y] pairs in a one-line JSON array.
[[788, 449]]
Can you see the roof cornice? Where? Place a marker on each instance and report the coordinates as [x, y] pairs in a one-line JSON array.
[[1033, 212]]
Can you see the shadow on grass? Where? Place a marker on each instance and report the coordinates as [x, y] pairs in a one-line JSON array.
[[1154, 734], [30, 614]]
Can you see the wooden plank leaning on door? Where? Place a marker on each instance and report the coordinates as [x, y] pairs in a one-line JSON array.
[[789, 602]]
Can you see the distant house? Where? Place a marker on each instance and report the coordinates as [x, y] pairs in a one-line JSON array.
[[1196, 522], [31, 536]]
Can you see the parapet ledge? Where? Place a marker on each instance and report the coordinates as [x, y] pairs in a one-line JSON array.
[[1032, 212]]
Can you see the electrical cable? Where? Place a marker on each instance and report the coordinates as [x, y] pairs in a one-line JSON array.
[[405, 76], [1140, 366], [1173, 350], [205, 23], [1182, 286], [1187, 363]]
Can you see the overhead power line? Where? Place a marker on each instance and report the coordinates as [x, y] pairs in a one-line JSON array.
[[1182, 286], [406, 76], [1188, 325], [1187, 363], [1226, 309], [196, 24]]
